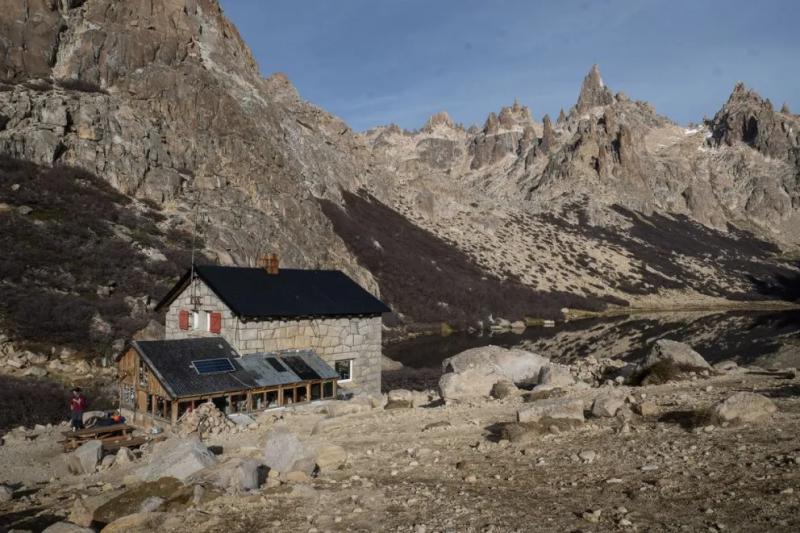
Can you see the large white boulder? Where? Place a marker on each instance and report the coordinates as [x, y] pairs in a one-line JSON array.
[[283, 450], [517, 366], [178, 458], [743, 408], [237, 474], [555, 409], [553, 375], [85, 459], [469, 384], [676, 353]]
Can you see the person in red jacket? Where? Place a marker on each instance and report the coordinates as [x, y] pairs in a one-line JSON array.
[[77, 405]]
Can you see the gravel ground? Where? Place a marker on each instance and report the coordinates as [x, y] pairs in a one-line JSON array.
[[444, 468]]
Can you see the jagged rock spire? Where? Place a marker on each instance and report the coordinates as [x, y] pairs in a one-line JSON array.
[[492, 125], [785, 109], [593, 92], [436, 119], [548, 135], [561, 117]]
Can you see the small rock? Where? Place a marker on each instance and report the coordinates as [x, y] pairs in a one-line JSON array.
[[606, 406], [504, 389], [646, 409], [588, 456]]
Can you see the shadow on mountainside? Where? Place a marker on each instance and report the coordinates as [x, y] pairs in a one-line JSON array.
[[430, 280]]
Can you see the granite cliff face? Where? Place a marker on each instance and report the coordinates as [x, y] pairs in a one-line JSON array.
[[164, 100], [611, 203]]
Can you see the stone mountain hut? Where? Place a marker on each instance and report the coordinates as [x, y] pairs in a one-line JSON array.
[[251, 339]]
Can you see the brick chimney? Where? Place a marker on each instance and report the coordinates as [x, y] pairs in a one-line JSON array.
[[271, 264]]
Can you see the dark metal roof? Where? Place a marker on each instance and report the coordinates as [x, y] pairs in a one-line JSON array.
[[254, 293], [171, 361]]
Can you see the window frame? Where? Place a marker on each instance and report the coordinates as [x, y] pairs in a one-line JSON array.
[[194, 320], [350, 365]]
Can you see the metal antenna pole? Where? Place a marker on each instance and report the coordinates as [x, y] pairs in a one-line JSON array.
[[192, 293]]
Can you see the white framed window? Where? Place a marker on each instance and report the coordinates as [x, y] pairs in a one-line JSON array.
[[195, 322], [208, 321], [344, 367]]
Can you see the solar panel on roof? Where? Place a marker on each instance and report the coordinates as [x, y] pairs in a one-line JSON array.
[[276, 364], [213, 366], [300, 367]]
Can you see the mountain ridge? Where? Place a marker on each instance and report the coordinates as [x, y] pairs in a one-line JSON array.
[[164, 101]]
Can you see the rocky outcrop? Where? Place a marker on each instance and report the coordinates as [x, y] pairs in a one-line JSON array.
[[750, 119]]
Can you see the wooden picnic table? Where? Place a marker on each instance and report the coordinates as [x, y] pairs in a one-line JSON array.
[[110, 434]]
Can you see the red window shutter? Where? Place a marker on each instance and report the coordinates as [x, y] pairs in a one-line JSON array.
[[216, 322], [183, 319]]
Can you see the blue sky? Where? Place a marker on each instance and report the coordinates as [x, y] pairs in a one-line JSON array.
[[374, 62]]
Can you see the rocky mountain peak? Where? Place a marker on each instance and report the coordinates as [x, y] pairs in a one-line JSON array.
[[593, 92], [747, 117], [441, 118]]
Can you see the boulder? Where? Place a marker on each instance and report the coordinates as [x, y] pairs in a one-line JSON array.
[[469, 384], [329, 456], [66, 527], [388, 365], [297, 476], [236, 475], [606, 406], [152, 503], [177, 458], [504, 389], [85, 511], [342, 408], [85, 459], [144, 522], [678, 354], [283, 449], [555, 376], [107, 462], [6, 493], [400, 395], [554, 409], [726, 366], [743, 408], [166, 494], [517, 366], [124, 457], [241, 419], [400, 399], [646, 408]]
